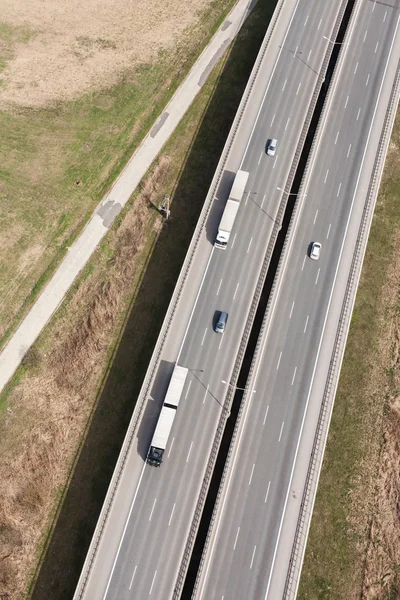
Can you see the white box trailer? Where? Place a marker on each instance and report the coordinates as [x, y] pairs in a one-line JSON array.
[[231, 210], [167, 416]]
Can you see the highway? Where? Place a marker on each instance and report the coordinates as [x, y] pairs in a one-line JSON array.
[[148, 556], [241, 558]]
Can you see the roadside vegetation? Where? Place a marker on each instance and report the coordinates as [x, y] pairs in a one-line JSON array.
[[64, 415], [73, 107], [353, 550]]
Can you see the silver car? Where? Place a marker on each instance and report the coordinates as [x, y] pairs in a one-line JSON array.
[[315, 250], [221, 323], [271, 147]]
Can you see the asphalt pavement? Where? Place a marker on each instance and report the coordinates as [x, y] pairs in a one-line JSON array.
[[241, 557], [148, 556]]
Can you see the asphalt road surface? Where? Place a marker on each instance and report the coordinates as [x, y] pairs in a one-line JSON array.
[[156, 528], [240, 561]]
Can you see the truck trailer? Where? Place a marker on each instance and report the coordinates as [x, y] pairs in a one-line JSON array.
[[167, 416], [231, 210]]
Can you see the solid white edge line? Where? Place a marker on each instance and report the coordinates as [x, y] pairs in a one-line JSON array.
[[194, 306], [123, 533], [327, 312], [269, 83]]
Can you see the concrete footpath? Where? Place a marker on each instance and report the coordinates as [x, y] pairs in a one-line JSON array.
[[111, 205]]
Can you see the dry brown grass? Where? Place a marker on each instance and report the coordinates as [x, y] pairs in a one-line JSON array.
[[353, 550], [58, 50], [48, 410], [382, 545]]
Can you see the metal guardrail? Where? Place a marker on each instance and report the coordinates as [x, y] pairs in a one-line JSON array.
[[310, 489], [149, 378], [260, 284]]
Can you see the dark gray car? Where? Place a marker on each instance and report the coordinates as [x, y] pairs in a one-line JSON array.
[[222, 319]]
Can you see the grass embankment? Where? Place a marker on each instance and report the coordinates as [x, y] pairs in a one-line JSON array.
[[58, 161], [77, 387], [353, 550]]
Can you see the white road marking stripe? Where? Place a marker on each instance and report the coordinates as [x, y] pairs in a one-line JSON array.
[[154, 503], [384, 18], [304, 260], [273, 119], [280, 435], [172, 514], [219, 287], [355, 70], [249, 245], [152, 583], [291, 310], [376, 47], [287, 123], [329, 230], [262, 203], [309, 55], [305, 326], [266, 414], [298, 88], [366, 83], [358, 114], [234, 295], [190, 383], [202, 341], [284, 85], [365, 35], [295, 52], [261, 155], [336, 138], [248, 194], [319, 24], [347, 99], [252, 471], [236, 538], [266, 495], [339, 188], [234, 240], [316, 281], [133, 576], [205, 395], [326, 176], [172, 443], [252, 558], [190, 449], [279, 360], [315, 218], [305, 22], [294, 375], [348, 151]]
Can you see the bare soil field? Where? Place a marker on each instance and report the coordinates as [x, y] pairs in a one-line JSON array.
[[353, 552], [80, 84], [57, 50]]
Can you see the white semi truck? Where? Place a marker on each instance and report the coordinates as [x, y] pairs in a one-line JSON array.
[[231, 210], [167, 416]]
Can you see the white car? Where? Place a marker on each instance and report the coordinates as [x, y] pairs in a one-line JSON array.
[[271, 147], [315, 250]]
